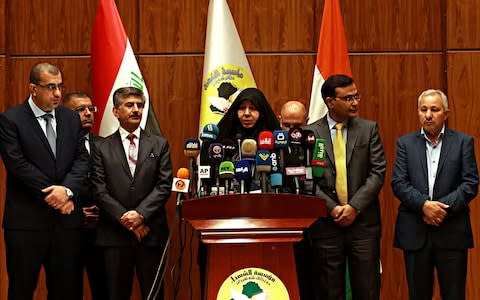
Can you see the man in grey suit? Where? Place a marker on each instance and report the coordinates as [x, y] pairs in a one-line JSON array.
[[435, 177], [132, 178], [42, 147], [350, 185]]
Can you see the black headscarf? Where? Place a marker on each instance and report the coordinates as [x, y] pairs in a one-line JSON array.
[[230, 126]]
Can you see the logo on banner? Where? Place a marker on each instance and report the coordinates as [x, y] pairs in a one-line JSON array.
[[252, 283]]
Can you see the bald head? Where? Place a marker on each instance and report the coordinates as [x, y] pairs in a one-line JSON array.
[[293, 115]]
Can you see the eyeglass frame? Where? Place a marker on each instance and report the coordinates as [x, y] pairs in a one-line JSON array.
[[82, 109], [350, 98], [52, 87]]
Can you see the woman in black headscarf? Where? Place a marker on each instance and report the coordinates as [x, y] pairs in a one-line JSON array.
[[248, 115]]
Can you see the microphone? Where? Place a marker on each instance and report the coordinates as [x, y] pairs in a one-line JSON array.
[[243, 173], [318, 158], [276, 181], [308, 144], [249, 149], [281, 142], [229, 149], [215, 153], [263, 166], [181, 184], [208, 135], [227, 173], [265, 140], [295, 140], [191, 150], [238, 139]]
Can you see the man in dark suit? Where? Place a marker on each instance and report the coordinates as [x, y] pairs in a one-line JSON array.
[[42, 147], [350, 234], [435, 177], [92, 255], [132, 178]]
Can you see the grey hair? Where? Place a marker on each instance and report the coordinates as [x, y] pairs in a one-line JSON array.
[[431, 92]]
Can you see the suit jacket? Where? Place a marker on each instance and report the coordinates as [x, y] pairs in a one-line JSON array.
[[456, 184], [365, 175], [86, 192], [31, 166], [117, 191]]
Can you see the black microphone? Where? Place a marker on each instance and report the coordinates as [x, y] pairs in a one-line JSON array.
[[215, 153], [280, 138], [229, 149], [191, 150], [208, 135], [308, 144]]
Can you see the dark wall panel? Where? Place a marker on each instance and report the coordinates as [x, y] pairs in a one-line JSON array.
[[2, 26], [463, 23]]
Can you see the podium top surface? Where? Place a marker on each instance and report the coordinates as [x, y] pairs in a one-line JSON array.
[[256, 206]]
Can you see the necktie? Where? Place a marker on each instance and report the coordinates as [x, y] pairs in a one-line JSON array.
[[132, 153], [51, 136], [339, 151]]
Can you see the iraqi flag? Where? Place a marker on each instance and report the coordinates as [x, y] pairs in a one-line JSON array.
[[332, 56], [113, 66], [225, 68]]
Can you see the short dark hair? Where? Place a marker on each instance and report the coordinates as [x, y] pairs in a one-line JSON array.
[[42, 67], [75, 94], [333, 82], [123, 92]]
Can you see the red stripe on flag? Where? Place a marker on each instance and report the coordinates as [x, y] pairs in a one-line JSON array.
[[109, 41], [332, 55]]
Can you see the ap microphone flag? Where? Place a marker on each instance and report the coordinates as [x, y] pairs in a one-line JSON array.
[[332, 56], [113, 66]]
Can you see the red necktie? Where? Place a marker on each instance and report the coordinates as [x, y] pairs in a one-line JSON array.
[[132, 153]]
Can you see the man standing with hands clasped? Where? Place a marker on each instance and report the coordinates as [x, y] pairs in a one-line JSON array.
[[42, 147], [350, 185], [132, 177], [435, 177]]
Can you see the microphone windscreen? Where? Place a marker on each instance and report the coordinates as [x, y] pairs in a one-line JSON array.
[[226, 170], [215, 152], [265, 140], [276, 180], [280, 139], [209, 132], [191, 147], [229, 149], [308, 139], [242, 170], [295, 136], [263, 163], [249, 149], [318, 158], [183, 173], [275, 163]]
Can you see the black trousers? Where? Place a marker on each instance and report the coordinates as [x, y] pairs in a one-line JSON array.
[[58, 250], [329, 266], [451, 266], [122, 262], [94, 265]]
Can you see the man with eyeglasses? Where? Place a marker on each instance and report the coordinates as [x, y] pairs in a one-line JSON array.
[[351, 182], [92, 255], [42, 147]]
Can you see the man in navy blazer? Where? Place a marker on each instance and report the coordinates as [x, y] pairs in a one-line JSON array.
[[132, 178], [435, 177], [350, 234], [43, 216]]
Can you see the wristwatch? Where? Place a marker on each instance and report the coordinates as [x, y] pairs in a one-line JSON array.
[[69, 193]]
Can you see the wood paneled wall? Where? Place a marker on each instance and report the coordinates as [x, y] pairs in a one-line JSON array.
[[397, 49]]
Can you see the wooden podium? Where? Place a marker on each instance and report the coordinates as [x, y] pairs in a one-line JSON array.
[[252, 231]]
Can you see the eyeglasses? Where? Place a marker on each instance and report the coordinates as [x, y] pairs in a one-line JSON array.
[[350, 98], [52, 87], [82, 109]]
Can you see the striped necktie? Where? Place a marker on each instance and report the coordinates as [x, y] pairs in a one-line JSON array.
[[132, 153]]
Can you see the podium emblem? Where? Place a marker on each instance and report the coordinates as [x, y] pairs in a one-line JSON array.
[[253, 283]]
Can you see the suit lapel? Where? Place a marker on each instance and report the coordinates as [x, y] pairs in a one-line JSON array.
[[119, 152], [422, 154], [38, 132], [144, 149], [353, 128], [446, 146]]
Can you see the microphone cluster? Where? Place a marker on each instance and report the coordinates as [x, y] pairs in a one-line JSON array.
[[278, 161]]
